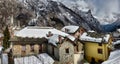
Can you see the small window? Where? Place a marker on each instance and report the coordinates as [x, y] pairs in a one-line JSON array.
[[100, 51], [100, 44], [23, 48], [67, 50], [77, 48], [32, 48], [66, 30]]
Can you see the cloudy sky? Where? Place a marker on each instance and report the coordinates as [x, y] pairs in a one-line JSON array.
[[104, 7]]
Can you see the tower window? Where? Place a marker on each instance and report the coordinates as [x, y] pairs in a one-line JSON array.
[[100, 51], [67, 50]]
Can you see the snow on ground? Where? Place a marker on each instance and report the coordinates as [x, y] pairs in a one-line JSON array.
[[38, 32], [42, 59], [117, 42], [114, 58], [45, 58]]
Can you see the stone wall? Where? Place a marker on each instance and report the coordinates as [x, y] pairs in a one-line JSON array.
[[66, 58], [17, 50], [28, 49], [49, 49], [36, 48], [56, 53]]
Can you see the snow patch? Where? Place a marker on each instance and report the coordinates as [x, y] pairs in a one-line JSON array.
[[40, 59], [70, 29]]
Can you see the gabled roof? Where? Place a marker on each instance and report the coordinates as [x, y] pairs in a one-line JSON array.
[[55, 39], [94, 37], [71, 28], [38, 32]]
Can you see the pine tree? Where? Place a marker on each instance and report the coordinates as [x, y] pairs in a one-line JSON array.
[[6, 42]]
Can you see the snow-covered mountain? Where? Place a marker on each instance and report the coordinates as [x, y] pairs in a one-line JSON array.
[[75, 4], [58, 13], [52, 13]]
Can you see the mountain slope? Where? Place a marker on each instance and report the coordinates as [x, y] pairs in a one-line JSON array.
[[111, 27], [58, 14], [54, 13]]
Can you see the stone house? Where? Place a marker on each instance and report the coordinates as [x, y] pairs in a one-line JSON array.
[[31, 40], [27, 46], [66, 50], [75, 31], [96, 46]]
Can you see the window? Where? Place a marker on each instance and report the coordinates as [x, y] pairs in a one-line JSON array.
[[100, 44], [23, 48], [53, 51], [100, 51], [67, 50], [66, 30], [77, 48], [32, 48]]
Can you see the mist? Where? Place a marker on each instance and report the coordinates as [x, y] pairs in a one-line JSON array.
[[103, 8]]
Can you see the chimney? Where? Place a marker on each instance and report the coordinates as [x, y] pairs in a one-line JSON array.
[[82, 31], [59, 38], [49, 34], [66, 30]]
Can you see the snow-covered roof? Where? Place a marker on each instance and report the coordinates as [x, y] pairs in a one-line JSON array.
[[114, 58], [46, 59], [1, 35], [72, 38], [118, 30], [106, 37], [38, 32], [116, 42], [71, 28], [86, 37], [55, 39], [40, 59], [1, 48]]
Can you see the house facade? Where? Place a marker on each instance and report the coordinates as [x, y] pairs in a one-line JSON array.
[[96, 46], [27, 46], [32, 40], [75, 31], [66, 50]]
